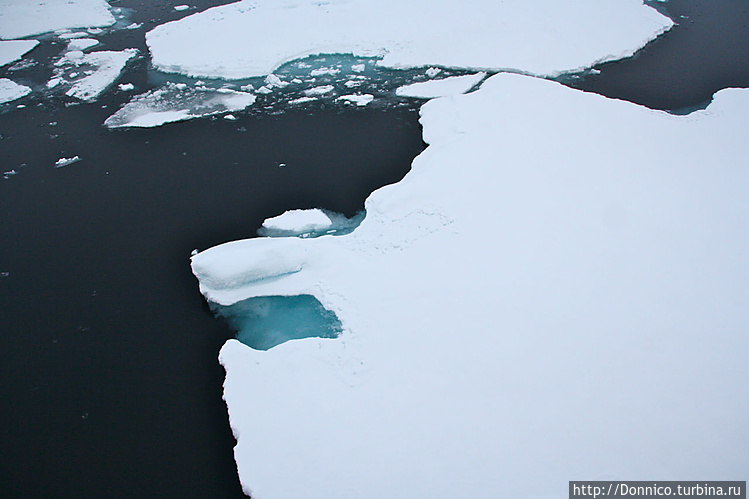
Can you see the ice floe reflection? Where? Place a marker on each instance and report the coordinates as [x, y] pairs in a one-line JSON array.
[[267, 321]]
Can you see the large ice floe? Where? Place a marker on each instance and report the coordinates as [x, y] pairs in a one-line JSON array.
[[557, 289], [86, 76], [254, 37], [22, 18], [13, 50]]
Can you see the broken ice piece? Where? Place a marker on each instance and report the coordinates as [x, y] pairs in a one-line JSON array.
[[62, 162]]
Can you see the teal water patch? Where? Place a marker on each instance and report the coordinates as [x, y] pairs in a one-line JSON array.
[[267, 321]]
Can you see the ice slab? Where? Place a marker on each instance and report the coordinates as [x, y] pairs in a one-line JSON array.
[[453, 85], [10, 90], [63, 162], [297, 222], [546, 37], [22, 18], [86, 76], [358, 99], [177, 102], [82, 44], [557, 288], [13, 50]]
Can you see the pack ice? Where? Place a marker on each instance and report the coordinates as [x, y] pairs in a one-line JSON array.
[[558, 288], [252, 38]]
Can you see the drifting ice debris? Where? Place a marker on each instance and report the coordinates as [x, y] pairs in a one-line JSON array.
[[101, 69], [180, 8], [125, 87], [10, 90], [4, 274], [80, 44], [324, 89], [177, 102], [359, 100], [296, 222], [453, 85], [432, 72], [13, 50], [66, 161]]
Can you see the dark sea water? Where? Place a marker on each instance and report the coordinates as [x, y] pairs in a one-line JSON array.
[[109, 383]]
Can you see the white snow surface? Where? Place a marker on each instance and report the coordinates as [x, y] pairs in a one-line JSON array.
[[13, 50], [299, 221], [10, 90], [177, 102], [546, 37], [358, 99], [557, 289], [452, 85], [21, 18]]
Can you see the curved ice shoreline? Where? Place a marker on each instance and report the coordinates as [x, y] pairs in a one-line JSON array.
[[546, 294]]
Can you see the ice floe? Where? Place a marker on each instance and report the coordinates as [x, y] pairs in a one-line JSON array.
[[82, 44], [86, 76], [452, 85], [10, 90], [297, 222], [13, 50], [22, 18], [558, 288], [63, 162], [177, 102], [243, 39], [358, 99]]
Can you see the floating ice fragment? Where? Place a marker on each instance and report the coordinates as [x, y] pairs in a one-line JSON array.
[[177, 102], [73, 35], [302, 100], [274, 81], [432, 72], [358, 68], [230, 117], [321, 90], [126, 87], [62, 162], [81, 44], [180, 8], [134, 26], [452, 85], [296, 222], [324, 71], [358, 99], [10, 90], [102, 69], [4, 274], [264, 90], [13, 50]]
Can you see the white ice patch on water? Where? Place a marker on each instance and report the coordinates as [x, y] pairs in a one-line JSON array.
[[63, 162], [180, 8], [558, 284], [317, 91], [88, 75], [81, 44], [14, 50], [297, 222], [177, 102], [453, 85], [22, 18], [10, 90], [358, 99], [482, 34]]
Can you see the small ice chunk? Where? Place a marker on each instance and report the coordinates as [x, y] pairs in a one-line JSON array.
[[324, 71], [134, 26], [4, 274], [353, 83], [73, 35], [297, 222], [176, 102], [358, 99], [80, 44], [62, 162], [432, 72], [302, 100], [126, 87], [247, 88], [274, 81], [55, 81], [180, 8], [264, 90], [321, 90], [107, 67], [13, 50], [358, 68], [230, 117], [452, 85], [10, 90]]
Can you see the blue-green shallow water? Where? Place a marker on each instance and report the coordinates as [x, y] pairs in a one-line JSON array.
[[267, 321]]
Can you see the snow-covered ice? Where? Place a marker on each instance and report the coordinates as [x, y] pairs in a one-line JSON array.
[[82, 44], [452, 85], [180, 8], [13, 50], [22, 18], [126, 87], [319, 90], [62, 162], [107, 66], [546, 37], [10, 90], [557, 289], [177, 102], [358, 99], [296, 222]]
